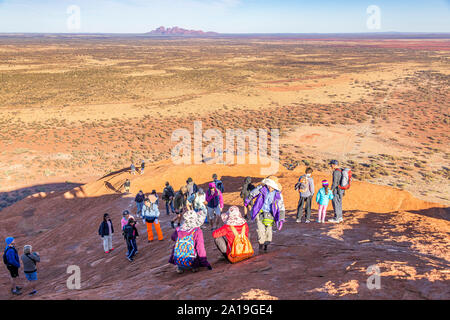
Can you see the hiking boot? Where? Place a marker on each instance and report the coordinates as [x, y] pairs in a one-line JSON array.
[[18, 288], [106, 251], [129, 259], [172, 224], [32, 292], [179, 225], [194, 270], [265, 245]]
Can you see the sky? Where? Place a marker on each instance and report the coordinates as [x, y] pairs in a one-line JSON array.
[[224, 16]]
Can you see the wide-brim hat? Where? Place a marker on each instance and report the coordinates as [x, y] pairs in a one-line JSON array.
[[233, 217], [192, 220], [272, 181]]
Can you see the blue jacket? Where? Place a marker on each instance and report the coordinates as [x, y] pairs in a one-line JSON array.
[[322, 198], [12, 257]]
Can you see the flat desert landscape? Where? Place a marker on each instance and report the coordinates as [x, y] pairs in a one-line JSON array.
[[76, 111]]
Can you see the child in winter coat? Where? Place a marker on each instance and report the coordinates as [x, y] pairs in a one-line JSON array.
[[150, 213], [323, 197], [189, 251], [130, 233]]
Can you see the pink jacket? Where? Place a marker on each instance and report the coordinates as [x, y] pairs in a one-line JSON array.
[[210, 197]]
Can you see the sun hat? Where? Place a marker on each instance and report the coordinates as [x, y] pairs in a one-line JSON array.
[[192, 220], [272, 181], [233, 217]]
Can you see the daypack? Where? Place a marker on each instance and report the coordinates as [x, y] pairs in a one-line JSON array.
[[303, 185], [5, 259], [219, 185], [241, 248], [346, 178], [184, 251]]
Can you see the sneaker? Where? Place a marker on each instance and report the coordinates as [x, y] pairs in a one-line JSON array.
[[332, 220], [16, 292], [111, 249], [180, 271], [32, 292], [18, 288], [265, 245], [129, 259], [172, 224], [106, 251], [340, 220], [298, 220], [179, 225], [307, 221]]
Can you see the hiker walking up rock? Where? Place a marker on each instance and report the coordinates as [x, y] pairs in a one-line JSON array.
[[247, 187], [140, 197], [179, 203], [305, 187], [215, 204], [12, 262], [142, 166], [167, 196], [338, 193], [151, 213], [30, 260], [268, 209], [126, 185], [106, 231]]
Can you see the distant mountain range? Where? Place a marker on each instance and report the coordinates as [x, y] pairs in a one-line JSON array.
[[177, 31]]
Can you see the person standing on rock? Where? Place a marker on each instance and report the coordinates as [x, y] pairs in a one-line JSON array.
[[150, 212], [30, 260], [131, 233], [323, 197], [268, 209], [218, 183], [179, 203], [142, 166], [338, 193], [247, 187], [197, 202], [167, 196], [106, 231], [215, 205], [139, 202], [133, 169], [12, 262], [191, 187], [126, 185], [305, 187]]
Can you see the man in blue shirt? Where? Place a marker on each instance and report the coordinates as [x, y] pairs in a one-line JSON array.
[[11, 259]]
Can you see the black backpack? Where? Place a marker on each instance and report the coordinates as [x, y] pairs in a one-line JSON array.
[[219, 185], [5, 259]]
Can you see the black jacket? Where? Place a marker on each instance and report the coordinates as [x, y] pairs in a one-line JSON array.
[[103, 230], [130, 232], [139, 198], [168, 193]]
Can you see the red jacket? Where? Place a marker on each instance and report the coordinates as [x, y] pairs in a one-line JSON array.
[[225, 231]]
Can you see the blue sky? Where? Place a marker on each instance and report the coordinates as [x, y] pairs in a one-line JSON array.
[[225, 16]]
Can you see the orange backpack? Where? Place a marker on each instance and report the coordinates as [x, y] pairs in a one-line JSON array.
[[241, 248]]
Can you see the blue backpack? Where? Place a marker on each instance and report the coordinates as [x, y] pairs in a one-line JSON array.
[[184, 251]]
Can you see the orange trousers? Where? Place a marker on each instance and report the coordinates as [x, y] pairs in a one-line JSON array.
[[150, 231]]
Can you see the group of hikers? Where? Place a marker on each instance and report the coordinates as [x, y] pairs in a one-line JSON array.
[[195, 209]]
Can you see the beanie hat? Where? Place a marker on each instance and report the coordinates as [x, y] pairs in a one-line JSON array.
[[324, 182], [9, 240]]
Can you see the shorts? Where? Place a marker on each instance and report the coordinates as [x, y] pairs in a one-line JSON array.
[[31, 276], [14, 271], [213, 212]]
